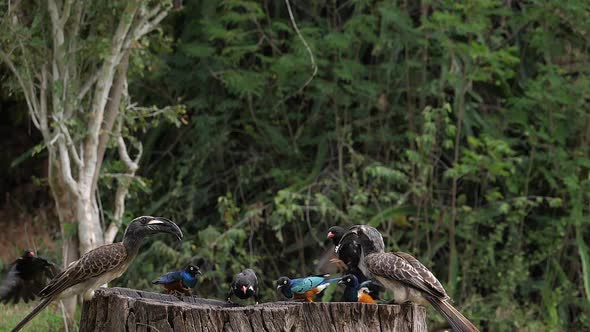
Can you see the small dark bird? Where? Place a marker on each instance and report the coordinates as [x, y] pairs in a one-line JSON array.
[[244, 285], [355, 291], [409, 279], [27, 276], [352, 287], [101, 265], [350, 251], [304, 288], [181, 281]]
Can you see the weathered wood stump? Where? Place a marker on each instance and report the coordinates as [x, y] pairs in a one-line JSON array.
[[121, 309]]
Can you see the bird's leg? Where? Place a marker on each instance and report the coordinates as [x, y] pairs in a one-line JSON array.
[[229, 294], [177, 293]]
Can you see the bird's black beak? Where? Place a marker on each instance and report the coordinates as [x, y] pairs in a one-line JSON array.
[[164, 225]]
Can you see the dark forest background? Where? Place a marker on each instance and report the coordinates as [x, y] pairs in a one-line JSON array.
[[460, 129]]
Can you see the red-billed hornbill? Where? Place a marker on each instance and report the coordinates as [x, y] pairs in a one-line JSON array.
[[101, 265], [409, 279]]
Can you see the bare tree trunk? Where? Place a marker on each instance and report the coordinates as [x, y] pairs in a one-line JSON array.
[[66, 210]]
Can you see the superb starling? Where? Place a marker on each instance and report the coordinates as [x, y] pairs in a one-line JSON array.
[[244, 285], [181, 281], [101, 265], [27, 276], [304, 288], [409, 279], [352, 287]]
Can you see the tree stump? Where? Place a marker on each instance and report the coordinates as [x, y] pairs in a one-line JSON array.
[[121, 309]]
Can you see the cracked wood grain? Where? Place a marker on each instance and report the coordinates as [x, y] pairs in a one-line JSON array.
[[127, 310]]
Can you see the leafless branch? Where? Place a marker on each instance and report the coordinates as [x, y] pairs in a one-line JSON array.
[[314, 66], [102, 90], [65, 166], [70, 143], [87, 85], [150, 21], [123, 185], [26, 91]]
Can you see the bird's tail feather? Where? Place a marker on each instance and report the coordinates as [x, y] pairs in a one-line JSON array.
[[458, 322], [44, 303]]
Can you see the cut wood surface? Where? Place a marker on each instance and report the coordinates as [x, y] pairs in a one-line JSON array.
[[121, 309]]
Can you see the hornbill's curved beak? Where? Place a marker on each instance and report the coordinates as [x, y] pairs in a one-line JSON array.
[[163, 225], [351, 231]]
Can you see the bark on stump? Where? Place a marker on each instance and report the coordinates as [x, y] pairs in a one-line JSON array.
[[121, 309]]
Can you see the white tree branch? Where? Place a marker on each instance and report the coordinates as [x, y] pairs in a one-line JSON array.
[[66, 167], [123, 187], [102, 89], [70, 143], [150, 21], [87, 85], [27, 93]]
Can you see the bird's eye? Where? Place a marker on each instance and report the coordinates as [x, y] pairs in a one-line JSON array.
[[285, 282], [348, 279]]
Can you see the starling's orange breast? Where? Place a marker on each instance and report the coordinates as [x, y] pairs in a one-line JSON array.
[[366, 298], [307, 296], [175, 286]]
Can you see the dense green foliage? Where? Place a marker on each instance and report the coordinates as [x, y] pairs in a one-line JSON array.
[[460, 129]]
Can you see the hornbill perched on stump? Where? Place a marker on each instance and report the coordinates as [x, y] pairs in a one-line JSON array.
[[26, 278], [400, 272], [101, 265]]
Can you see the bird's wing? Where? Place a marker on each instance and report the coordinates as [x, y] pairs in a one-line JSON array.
[[92, 264], [392, 266], [50, 269], [12, 286], [305, 284], [424, 272], [26, 278], [168, 278]]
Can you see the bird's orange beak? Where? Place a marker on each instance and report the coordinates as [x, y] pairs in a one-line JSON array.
[[330, 235], [244, 289]]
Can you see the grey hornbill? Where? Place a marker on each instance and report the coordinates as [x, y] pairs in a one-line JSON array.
[[26, 278], [101, 265], [409, 279]]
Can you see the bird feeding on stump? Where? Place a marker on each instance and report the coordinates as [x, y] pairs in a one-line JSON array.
[[181, 281], [244, 285], [304, 288], [400, 272], [101, 265]]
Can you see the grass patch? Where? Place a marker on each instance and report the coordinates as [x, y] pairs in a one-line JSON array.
[[48, 320]]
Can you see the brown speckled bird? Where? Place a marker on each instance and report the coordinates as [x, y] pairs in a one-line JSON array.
[[409, 279], [101, 265]]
